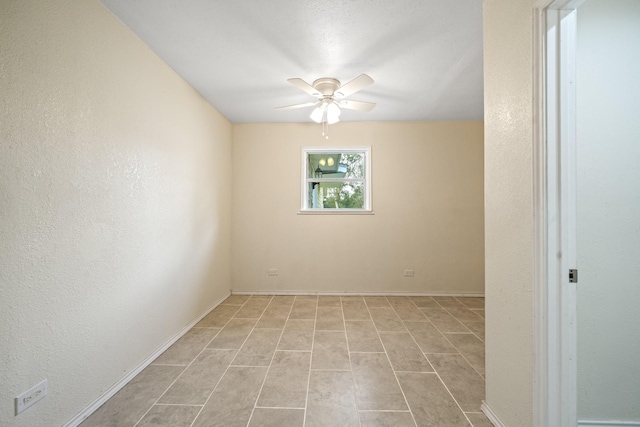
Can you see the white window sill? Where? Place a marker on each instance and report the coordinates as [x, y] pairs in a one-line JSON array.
[[335, 212]]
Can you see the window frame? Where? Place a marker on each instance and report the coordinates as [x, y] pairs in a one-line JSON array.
[[366, 180]]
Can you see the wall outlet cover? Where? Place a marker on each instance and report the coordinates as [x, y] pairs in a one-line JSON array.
[[31, 396]]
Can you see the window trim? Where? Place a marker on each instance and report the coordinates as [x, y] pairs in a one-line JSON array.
[[366, 210]]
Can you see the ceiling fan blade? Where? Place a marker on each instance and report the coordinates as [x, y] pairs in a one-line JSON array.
[[354, 85], [302, 85], [356, 105], [291, 107]]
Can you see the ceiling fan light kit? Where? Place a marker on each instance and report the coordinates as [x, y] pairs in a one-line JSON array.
[[329, 93]]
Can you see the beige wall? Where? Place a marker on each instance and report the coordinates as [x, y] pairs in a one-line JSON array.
[[427, 198], [114, 205], [508, 209]]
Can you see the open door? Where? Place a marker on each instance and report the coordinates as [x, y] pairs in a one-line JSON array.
[[588, 206]]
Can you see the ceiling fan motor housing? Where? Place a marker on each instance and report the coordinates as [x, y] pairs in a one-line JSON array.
[[326, 86]]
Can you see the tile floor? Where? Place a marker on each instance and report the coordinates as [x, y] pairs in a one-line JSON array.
[[312, 361]]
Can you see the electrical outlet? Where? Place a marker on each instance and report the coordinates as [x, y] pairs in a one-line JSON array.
[[409, 273], [31, 396], [273, 272]]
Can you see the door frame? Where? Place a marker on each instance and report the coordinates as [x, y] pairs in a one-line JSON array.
[[554, 194]]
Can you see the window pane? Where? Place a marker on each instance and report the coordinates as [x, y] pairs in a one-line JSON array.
[[336, 165], [336, 195]]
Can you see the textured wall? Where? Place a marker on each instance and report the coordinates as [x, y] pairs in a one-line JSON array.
[[608, 110], [508, 209], [427, 198], [114, 204]]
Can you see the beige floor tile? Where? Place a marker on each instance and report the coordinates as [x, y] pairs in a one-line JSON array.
[[386, 419], [429, 338], [478, 312], [408, 311], [233, 399], [403, 352], [386, 319], [331, 401], [297, 335], [282, 300], [183, 351], [351, 298], [354, 308], [425, 302], [275, 316], [303, 309], [252, 309], [479, 420], [399, 300], [215, 362], [477, 328], [259, 348], [330, 351], [236, 299], [264, 299], [472, 302], [376, 384], [329, 319], [376, 301], [219, 316], [128, 405], [430, 402], [197, 382], [362, 336], [328, 301], [471, 347], [464, 383], [169, 416], [443, 320], [463, 314], [286, 383], [447, 301], [270, 417], [232, 336]]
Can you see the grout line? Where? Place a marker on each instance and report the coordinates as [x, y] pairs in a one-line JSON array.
[[353, 379], [389, 360], [436, 372], [278, 407], [177, 404], [342, 301], [273, 355], [313, 341], [188, 366], [225, 371], [464, 356]]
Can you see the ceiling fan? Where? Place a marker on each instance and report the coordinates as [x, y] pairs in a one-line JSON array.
[[331, 94]]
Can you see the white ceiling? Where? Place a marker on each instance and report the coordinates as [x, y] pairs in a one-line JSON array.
[[424, 55]]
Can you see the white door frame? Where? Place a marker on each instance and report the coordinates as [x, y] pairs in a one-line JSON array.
[[554, 46]]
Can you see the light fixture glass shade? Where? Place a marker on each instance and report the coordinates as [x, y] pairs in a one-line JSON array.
[[333, 113], [316, 115]]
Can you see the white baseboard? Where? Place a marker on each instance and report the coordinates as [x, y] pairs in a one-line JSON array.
[[93, 406], [491, 415], [589, 423], [366, 294]]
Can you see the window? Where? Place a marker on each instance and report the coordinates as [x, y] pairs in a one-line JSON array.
[[336, 180]]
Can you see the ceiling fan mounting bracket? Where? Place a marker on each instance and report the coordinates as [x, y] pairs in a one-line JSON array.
[[326, 86]]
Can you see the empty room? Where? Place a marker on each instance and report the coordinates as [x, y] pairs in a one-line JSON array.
[[303, 213]]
